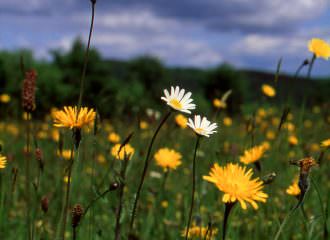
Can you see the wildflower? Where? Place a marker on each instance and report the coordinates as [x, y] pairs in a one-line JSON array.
[[66, 154], [319, 48], [293, 140], [120, 153], [113, 137], [202, 126], [325, 143], [227, 121], [178, 100], [253, 155], [4, 98], [168, 158], [270, 135], [217, 103], [3, 161], [294, 189], [199, 232], [181, 120], [268, 90], [28, 91], [144, 125], [72, 118], [236, 184], [164, 204]]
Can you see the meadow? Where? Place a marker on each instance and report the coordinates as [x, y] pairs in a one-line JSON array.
[[150, 161]]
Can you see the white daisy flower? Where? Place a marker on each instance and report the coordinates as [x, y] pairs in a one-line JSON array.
[[202, 126], [179, 100]]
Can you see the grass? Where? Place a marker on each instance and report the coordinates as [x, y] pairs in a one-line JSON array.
[[173, 205]]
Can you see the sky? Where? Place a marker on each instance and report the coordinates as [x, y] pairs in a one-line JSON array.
[[249, 34]]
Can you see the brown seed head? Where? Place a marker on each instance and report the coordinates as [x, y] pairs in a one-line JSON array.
[[28, 91], [77, 213], [44, 204]]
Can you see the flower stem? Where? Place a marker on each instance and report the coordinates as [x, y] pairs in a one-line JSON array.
[[193, 187], [27, 175], [145, 169], [311, 66], [228, 208], [82, 79], [67, 197]]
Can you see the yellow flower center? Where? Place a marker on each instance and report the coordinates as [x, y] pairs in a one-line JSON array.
[[175, 104], [199, 130]]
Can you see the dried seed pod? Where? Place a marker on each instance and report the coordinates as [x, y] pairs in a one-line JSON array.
[[44, 204], [77, 213], [28, 91], [39, 158]]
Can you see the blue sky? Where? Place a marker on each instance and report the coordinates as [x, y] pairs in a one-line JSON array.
[[203, 33]]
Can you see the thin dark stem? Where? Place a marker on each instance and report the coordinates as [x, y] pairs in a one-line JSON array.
[[311, 66], [27, 175], [67, 196], [228, 208], [193, 187], [145, 169], [82, 79], [74, 233], [121, 198]]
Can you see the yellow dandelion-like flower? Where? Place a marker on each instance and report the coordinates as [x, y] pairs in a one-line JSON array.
[[144, 125], [293, 140], [66, 154], [114, 137], [217, 103], [270, 135], [236, 184], [72, 118], [294, 189], [325, 143], [227, 121], [253, 154], [3, 161], [126, 150], [320, 48], [199, 232], [268, 90], [181, 120], [5, 98], [167, 158]]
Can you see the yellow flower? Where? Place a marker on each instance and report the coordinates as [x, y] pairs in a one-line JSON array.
[[266, 145], [320, 48], [293, 140], [217, 103], [3, 161], [236, 184], [253, 154], [72, 118], [126, 150], [164, 204], [270, 135], [113, 137], [293, 189], [268, 90], [227, 121], [144, 125], [167, 158], [4, 98], [326, 143], [66, 154], [101, 159], [199, 232], [181, 120]]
